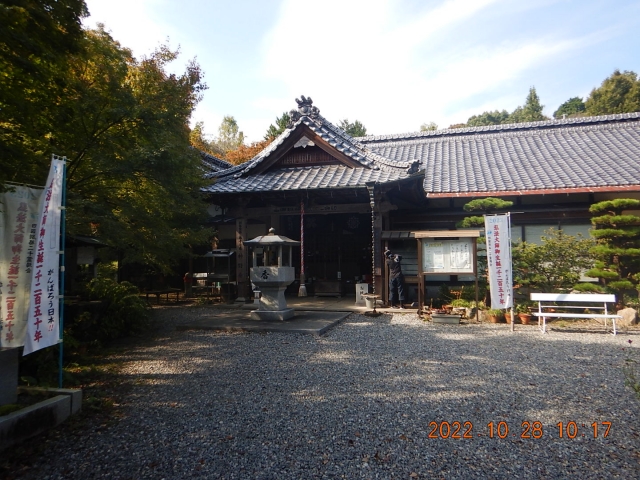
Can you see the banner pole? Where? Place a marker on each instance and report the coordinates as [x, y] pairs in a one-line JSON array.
[[63, 217], [513, 319]]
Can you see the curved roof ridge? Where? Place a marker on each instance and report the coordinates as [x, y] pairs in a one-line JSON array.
[[449, 132], [332, 134], [500, 134]]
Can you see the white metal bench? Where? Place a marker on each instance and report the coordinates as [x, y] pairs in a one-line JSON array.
[[544, 308]]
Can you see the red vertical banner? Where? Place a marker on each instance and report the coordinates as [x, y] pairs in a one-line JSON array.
[[43, 319], [498, 236]]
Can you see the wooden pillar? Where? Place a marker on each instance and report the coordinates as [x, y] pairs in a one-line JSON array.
[[386, 225], [421, 287], [376, 239], [242, 272], [377, 255]]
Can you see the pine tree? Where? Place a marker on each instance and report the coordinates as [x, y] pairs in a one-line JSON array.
[[618, 247]]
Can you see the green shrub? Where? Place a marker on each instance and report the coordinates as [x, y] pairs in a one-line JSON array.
[[123, 311], [462, 303], [120, 313]]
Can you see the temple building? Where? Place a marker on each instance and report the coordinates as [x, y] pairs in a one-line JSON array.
[[360, 195]]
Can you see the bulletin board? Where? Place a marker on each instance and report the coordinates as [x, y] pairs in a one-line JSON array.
[[449, 257], [446, 252]]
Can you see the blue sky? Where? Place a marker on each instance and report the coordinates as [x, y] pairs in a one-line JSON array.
[[392, 64]]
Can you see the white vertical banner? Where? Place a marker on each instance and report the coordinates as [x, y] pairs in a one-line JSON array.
[[18, 223], [498, 236], [43, 320]]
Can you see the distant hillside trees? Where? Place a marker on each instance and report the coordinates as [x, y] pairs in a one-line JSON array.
[[619, 93], [496, 117], [428, 127], [571, 108], [531, 111]]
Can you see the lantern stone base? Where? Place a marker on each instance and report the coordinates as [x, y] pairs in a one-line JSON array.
[[273, 314]]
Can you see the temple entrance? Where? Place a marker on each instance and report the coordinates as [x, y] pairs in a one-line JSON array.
[[337, 251]]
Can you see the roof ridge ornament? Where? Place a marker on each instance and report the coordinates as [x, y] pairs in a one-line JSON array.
[[305, 108]]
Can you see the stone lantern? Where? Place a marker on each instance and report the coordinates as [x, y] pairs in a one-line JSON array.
[[272, 272]]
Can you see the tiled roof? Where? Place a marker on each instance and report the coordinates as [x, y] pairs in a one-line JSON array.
[[310, 177], [571, 155], [581, 154], [213, 164], [374, 167]]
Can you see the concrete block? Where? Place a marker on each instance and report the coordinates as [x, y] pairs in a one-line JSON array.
[[8, 375], [74, 393], [270, 315], [451, 319], [28, 422]]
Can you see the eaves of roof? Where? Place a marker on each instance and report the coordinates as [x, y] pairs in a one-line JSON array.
[[306, 178]]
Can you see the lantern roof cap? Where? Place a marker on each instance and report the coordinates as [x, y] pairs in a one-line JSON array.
[[272, 239]]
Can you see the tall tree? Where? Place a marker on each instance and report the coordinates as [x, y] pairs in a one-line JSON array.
[[281, 124], [531, 111], [229, 135], [619, 93], [132, 176], [355, 129], [123, 126], [572, 107], [199, 141], [37, 38]]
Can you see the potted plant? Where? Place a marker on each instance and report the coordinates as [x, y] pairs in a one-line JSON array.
[[524, 312], [495, 315], [507, 315]]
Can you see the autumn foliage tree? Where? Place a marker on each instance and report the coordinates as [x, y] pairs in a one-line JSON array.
[[37, 41], [244, 153], [122, 123]]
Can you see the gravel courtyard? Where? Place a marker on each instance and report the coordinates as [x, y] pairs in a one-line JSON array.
[[359, 402]]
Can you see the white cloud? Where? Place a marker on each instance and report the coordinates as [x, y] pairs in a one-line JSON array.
[[392, 64], [366, 66], [132, 23]]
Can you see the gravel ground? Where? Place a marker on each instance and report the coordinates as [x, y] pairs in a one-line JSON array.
[[359, 402]]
